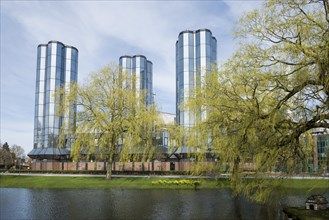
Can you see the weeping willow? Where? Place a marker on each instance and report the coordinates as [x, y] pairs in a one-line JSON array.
[[262, 104], [113, 123]]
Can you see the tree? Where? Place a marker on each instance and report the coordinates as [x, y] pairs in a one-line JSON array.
[[113, 121], [6, 157], [175, 139], [263, 103], [18, 151]]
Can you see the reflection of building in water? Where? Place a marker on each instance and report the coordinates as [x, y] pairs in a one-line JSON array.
[[57, 67]]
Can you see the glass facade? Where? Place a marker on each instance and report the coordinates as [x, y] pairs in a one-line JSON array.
[[196, 52], [57, 67], [141, 68], [322, 146]]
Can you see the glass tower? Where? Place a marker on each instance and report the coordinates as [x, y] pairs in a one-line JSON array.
[[142, 69], [57, 67], [196, 53]]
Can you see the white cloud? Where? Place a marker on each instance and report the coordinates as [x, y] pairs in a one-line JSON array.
[[102, 31]]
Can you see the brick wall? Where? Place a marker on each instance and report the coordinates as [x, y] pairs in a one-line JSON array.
[[100, 166], [91, 166], [121, 166]]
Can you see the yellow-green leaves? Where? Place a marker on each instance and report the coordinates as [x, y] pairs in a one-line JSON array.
[[113, 121], [264, 102]]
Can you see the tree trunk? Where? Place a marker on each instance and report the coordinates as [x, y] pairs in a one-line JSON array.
[[109, 170], [235, 175]]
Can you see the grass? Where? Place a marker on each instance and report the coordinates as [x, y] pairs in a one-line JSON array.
[[62, 182], [303, 214], [305, 183]]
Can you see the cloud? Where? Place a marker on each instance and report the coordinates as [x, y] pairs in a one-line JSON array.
[[102, 31]]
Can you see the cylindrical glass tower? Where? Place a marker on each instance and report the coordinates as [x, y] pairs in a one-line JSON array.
[[196, 52], [57, 67], [141, 68]]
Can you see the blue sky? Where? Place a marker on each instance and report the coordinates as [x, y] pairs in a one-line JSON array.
[[102, 31]]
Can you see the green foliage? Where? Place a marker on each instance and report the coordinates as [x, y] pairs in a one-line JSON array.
[[205, 169], [180, 182], [176, 138], [7, 158], [262, 104], [113, 122]]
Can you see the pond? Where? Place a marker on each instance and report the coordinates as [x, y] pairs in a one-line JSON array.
[[137, 204]]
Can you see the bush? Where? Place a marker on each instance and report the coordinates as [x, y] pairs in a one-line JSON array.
[[183, 182]]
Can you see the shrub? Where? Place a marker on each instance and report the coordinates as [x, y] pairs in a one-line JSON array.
[[182, 182]]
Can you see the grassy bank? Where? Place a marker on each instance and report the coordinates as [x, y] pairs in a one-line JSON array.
[[60, 182], [303, 214]]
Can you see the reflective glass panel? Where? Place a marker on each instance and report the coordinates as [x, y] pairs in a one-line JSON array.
[[197, 38], [52, 84], [48, 60], [208, 37], [68, 65], [180, 40], [59, 49], [58, 61], [74, 55], [191, 39], [68, 53], [42, 51], [202, 37], [185, 55], [185, 39], [197, 51], [191, 52], [53, 60], [52, 72], [42, 74], [49, 50], [137, 62], [54, 48]]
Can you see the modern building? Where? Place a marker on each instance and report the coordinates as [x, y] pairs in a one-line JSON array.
[[321, 150], [141, 68], [57, 67], [196, 54]]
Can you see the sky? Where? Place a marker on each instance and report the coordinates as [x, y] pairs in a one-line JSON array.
[[102, 31]]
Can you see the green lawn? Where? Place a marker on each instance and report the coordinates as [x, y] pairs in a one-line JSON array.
[[306, 184], [303, 214], [60, 182]]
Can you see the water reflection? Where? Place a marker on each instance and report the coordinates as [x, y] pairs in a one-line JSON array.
[[136, 204]]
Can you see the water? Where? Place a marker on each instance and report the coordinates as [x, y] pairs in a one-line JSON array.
[[137, 204]]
